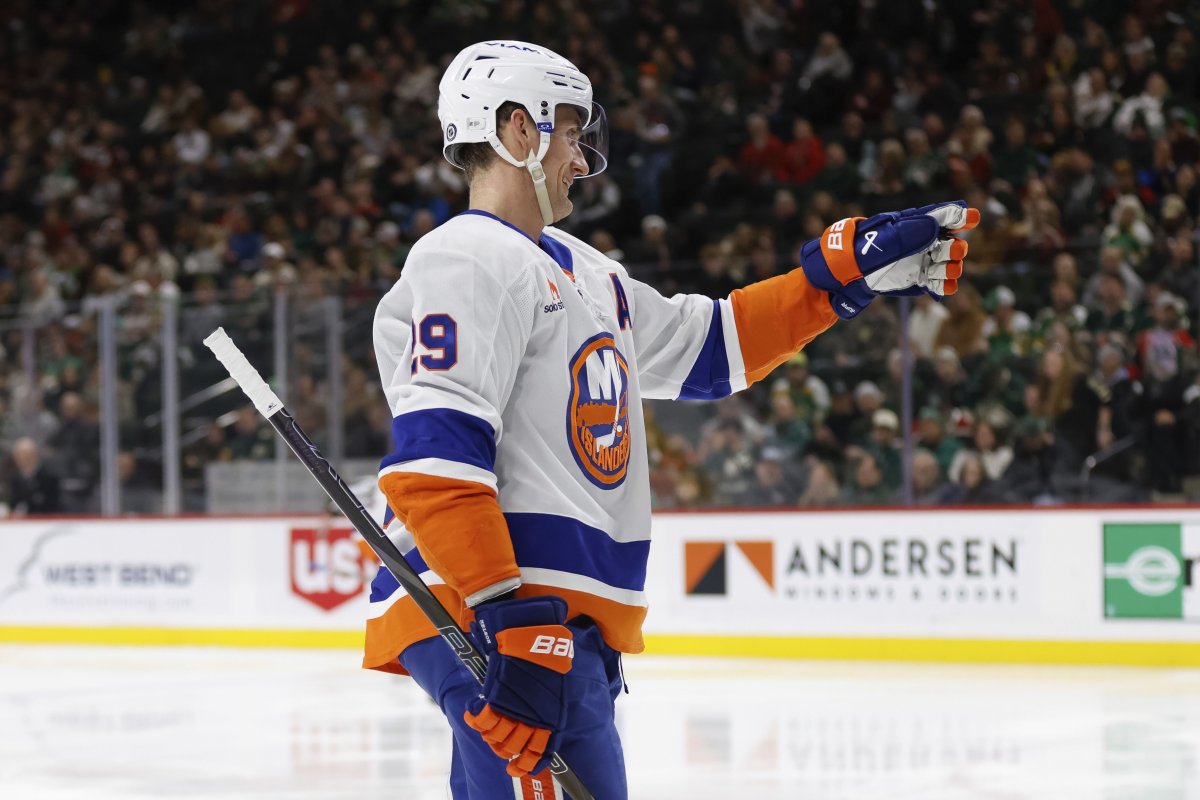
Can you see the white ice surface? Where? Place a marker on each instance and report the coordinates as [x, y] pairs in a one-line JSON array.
[[96, 723]]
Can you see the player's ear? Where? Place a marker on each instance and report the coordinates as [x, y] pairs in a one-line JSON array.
[[518, 134]]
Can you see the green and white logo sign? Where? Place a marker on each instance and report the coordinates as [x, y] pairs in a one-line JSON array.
[[1148, 571]]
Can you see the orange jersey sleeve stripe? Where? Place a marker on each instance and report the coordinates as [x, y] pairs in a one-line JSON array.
[[620, 625], [458, 528], [403, 624], [776, 318]]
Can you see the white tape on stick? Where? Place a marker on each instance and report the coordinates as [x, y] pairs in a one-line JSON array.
[[243, 372]]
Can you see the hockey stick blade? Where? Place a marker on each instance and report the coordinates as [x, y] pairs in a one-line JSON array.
[[271, 407]]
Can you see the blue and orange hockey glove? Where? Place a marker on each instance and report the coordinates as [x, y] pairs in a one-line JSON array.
[[529, 652], [908, 252]]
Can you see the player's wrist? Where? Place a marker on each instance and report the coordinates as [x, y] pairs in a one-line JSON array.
[[501, 590]]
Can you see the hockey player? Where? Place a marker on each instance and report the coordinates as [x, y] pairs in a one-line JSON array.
[[515, 358]]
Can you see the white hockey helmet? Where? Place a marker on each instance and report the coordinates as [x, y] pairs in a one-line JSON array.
[[485, 75]]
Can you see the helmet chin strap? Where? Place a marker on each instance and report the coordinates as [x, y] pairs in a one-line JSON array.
[[533, 163]]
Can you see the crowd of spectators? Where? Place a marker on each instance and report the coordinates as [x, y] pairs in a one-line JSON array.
[[216, 156]]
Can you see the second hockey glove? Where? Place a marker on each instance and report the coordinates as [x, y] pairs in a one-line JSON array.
[[529, 652], [908, 252]]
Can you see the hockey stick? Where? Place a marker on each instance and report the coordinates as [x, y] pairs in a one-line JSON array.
[[271, 407]]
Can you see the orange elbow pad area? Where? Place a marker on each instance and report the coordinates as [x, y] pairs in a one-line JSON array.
[[458, 528], [776, 318]]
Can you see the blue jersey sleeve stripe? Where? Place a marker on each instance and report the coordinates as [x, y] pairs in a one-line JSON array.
[[559, 252], [709, 378], [442, 433], [385, 583], [549, 541]]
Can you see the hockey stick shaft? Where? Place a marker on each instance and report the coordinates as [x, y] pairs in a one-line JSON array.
[[271, 407]]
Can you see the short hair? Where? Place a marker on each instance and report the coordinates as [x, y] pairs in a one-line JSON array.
[[478, 156]]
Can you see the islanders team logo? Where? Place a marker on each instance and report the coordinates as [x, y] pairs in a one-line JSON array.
[[598, 411]]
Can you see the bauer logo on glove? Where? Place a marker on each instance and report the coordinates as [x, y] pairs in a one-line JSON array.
[[903, 253]]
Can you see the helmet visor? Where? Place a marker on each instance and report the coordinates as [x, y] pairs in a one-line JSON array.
[[593, 141]]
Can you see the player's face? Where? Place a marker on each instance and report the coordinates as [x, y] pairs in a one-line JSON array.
[[564, 161]]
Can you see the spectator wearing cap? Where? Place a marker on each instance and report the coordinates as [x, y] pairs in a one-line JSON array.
[[786, 432], [770, 485], [884, 445], [809, 394], [1163, 347], [931, 436], [868, 398], [1007, 329], [276, 272]]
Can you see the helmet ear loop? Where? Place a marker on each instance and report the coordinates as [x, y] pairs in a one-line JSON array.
[[533, 163]]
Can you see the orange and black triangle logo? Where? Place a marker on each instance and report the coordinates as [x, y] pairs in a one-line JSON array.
[[704, 564]]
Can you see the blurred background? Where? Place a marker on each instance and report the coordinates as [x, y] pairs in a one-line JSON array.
[[170, 167]]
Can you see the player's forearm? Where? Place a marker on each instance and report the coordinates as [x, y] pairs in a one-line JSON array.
[[776, 318], [459, 530]]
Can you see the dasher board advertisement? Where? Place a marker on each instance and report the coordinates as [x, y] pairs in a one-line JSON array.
[[310, 573]]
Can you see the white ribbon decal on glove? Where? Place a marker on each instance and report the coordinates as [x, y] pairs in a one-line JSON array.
[[870, 237]]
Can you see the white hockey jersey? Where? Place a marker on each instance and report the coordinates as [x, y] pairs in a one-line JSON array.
[[519, 367]]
